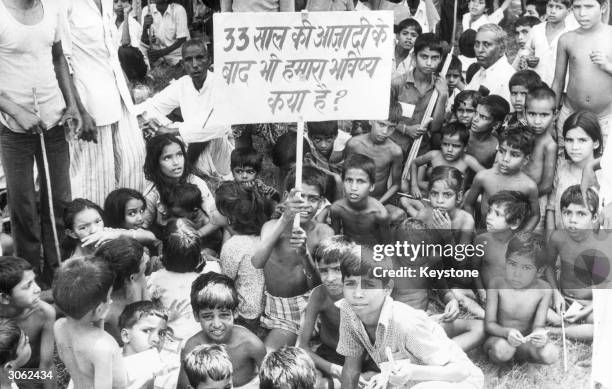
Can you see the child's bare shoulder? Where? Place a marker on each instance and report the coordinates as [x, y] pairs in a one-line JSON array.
[[193, 342], [464, 220], [498, 283], [394, 148], [557, 237], [46, 312], [244, 336]]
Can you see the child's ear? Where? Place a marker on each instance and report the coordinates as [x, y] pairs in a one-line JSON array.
[[459, 196], [372, 186], [5, 299], [389, 287], [125, 336], [9, 366], [540, 271], [70, 233]]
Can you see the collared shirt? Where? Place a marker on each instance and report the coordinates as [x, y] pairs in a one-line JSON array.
[[197, 108], [330, 5], [26, 62], [494, 18], [257, 5], [407, 65], [167, 28], [91, 51], [134, 28], [547, 51], [426, 13], [406, 331], [495, 78]]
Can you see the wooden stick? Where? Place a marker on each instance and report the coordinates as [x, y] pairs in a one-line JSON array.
[[47, 181], [564, 341], [299, 160], [454, 25]]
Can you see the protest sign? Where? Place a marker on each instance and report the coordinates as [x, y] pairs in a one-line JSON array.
[[287, 67]]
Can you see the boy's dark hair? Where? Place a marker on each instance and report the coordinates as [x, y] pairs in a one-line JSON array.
[[246, 156], [132, 313], [114, 205], [541, 93], [573, 195], [327, 128], [518, 137], [466, 43], [124, 256], [333, 249], [428, 41], [181, 247], [529, 244], [10, 335], [11, 272], [364, 264], [515, 204], [287, 368], [566, 3], [361, 162], [310, 176], [245, 208], [528, 21], [497, 106], [526, 78], [408, 23], [81, 284], [133, 64], [540, 6], [207, 361], [283, 152], [364, 124], [213, 291], [185, 196], [464, 96], [415, 231], [456, 128], [455, 64]]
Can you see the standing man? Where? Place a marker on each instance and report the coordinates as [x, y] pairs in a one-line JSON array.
[[31, 58], [114, 156], [164, 30]]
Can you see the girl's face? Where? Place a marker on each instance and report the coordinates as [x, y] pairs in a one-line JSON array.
[[477, 7], [465, 113], [579, 145], [172, 161], [86, 222], [133, 216], [442, 196]]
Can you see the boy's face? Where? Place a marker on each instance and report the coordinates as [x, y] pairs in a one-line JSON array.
[[244, 174], [148, 333], [357, 185], [442, 197], [587, 13], [477, 7], [331, 277], [365, 295], [133, 215], [482, 120], [357, 128], [196, 215], [521, 271], [406, 38], [26, 294], [427, 60], [540, 115], [509, 159], [324, 144], [465, 113], [518, 95], [577, 217], [488, 49], [313, 197], [216, 323], [452, 148], [496, 218], [579, 145], [86, 222], [530, 10], [211, 384], [522, 34], [556, 11], [119, 5], [453, 77], [381, 130]]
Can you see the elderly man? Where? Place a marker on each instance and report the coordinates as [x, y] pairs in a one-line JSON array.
[[495, 71]]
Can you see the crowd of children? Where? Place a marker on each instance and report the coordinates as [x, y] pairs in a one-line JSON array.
[[193, 272]]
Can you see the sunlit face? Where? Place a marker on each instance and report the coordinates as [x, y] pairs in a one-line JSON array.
[[556, 11], [365, 295], [406, 38], [496, 218], [172, 161], [482, 120], [244, 174], [442, 196], [577, 219], [313, 197], [357, 185], [540, 115], [452, 148], [522, 34], [453, 77], [26, 294], [87, 222], [465, 113], [518, 96], [521, 271], [196, 62], [211, 384], [323, 144], [331, 277], [427, 60], [381, 130], [477, 8], [148, 333], [587, 13], [217, 323], [133, 214], [488, 49], [509, 159], [579, 145]]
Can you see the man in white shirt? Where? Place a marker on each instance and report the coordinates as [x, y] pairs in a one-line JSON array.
[[165, 29], [495, 71], [194, 95]]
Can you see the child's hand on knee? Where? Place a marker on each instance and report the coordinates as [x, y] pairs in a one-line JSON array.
[[515, 338]]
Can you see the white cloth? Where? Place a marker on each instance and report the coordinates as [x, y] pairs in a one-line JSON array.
[[26, 62], [547, 51], [167, 28], [494, 18], [341, 140], [407, 65], [495, 78], [134, 28]]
